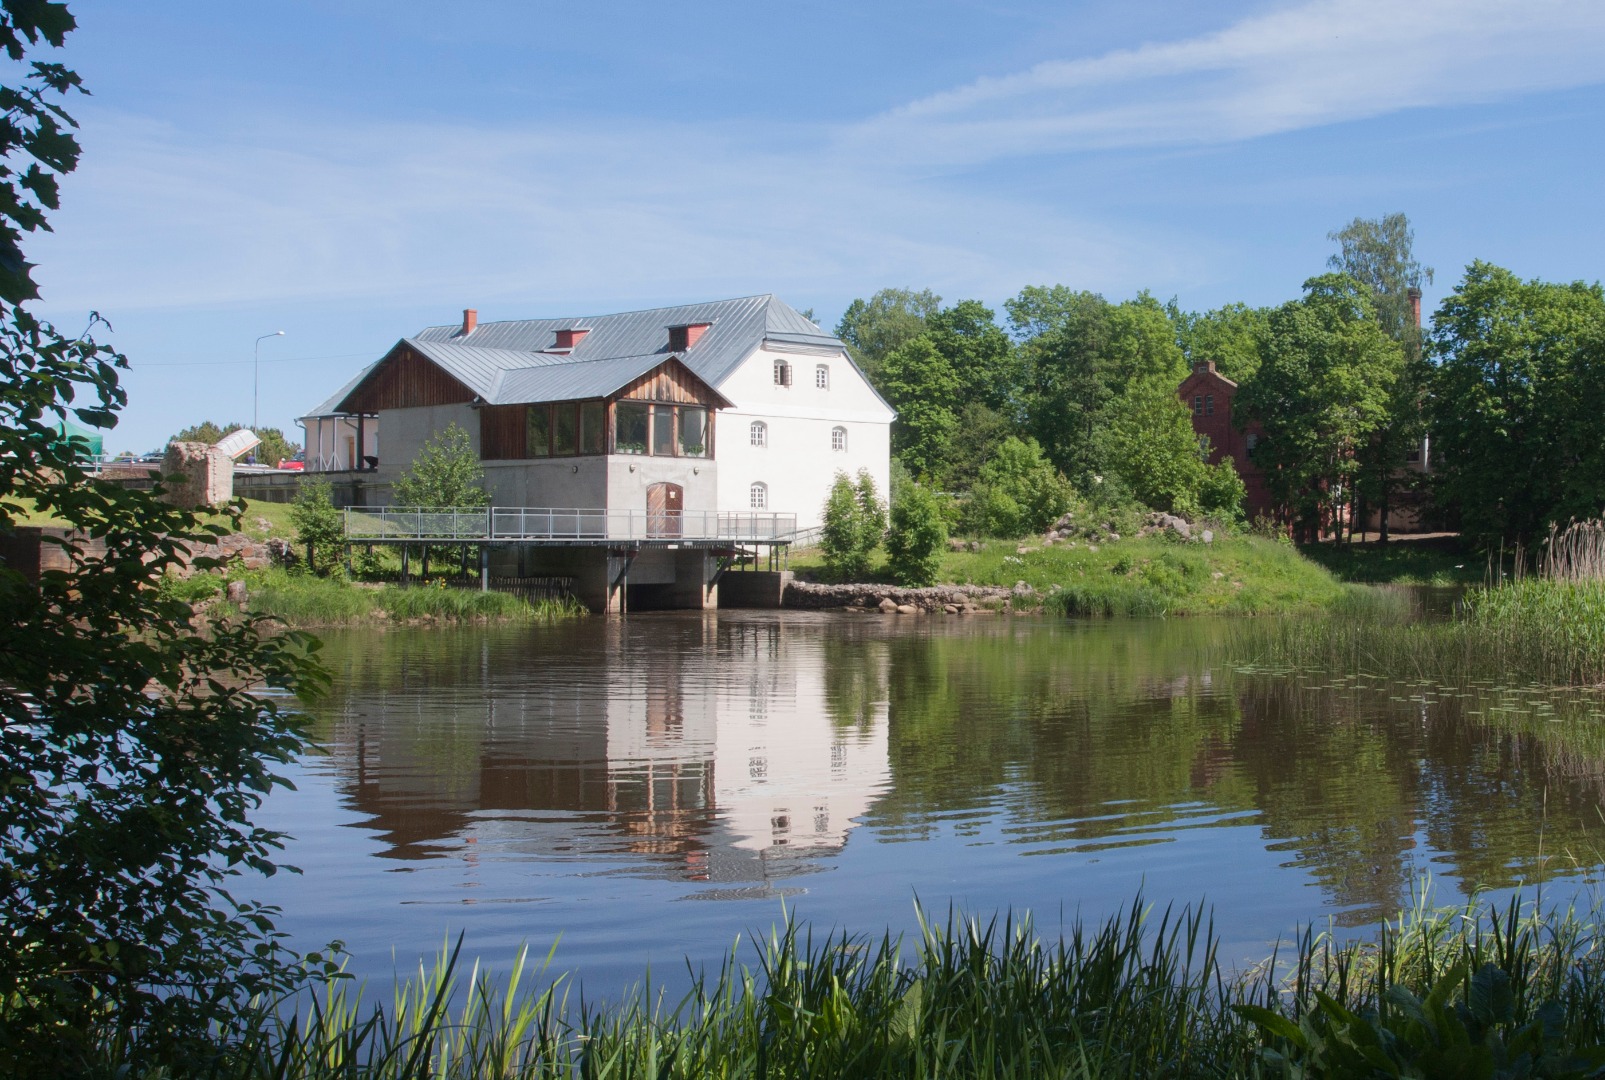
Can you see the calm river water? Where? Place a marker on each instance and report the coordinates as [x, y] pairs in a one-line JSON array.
[[643, 790]]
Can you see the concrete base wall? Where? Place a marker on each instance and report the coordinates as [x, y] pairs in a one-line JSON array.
[[753, 588], [656, 579]]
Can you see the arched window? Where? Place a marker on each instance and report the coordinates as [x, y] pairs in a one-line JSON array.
[[759, 433], [759, 495], [822, 376], [782, 373], [838, 438]]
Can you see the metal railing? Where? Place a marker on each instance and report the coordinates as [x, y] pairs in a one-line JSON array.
[[552, 523]]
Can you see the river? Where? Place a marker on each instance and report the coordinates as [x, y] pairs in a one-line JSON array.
[[641, 791]]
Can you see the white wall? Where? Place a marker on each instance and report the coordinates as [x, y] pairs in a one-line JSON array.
[[798, 464], [406, 431], [335, 433]]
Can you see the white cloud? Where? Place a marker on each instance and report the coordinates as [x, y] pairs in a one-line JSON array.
[[1313, 64]]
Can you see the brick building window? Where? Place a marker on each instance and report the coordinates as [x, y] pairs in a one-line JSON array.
[[1209, 404], [1198, 406]]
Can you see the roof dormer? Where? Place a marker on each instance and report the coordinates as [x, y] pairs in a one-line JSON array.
[[569, 337], [683, 337]]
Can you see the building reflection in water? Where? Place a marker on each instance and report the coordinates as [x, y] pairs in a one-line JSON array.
[[708, 746]]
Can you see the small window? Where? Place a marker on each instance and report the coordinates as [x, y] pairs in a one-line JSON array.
[[1198, 406], [1209, 404], [838, 439], [1251, 442], [679, 338], [758, 496], [630, 437], [822, 376], [538, 431], [759, 433], [1412, 456], [782, 373]]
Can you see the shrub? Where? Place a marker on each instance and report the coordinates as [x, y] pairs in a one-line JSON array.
[[1018, 492], [317, 523], [917, 537], [855, 521], [446, 472]]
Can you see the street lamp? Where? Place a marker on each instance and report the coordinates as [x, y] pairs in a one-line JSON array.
[[256, 380]]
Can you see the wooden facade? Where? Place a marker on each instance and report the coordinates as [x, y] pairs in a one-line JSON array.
[[405, 380], [501, 432], [672, 381]]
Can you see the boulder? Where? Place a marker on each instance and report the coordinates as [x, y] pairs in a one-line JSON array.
[[888, 606], [906, 609]]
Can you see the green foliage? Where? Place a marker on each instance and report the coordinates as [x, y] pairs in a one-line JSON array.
[[1152, 449], [1017, 492], [446, 473], [1232, 337], [887, 321], [855, 522], [1379, 253], [317, 523], [133, 750], [273, 449], [922, 386], [917, 537], [303, 601], [1221, 493], [1518, 403], [1322, 393]]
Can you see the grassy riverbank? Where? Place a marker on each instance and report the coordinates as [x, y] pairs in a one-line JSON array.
[[1549, 633], [308, 602], [1479, 991], [1236, 575]]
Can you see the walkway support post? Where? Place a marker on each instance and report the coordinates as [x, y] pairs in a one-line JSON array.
[[484, 568]]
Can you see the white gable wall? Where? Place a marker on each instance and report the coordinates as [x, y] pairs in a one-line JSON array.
[[798, 463]]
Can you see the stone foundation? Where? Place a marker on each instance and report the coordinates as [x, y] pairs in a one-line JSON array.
[[894, 598]]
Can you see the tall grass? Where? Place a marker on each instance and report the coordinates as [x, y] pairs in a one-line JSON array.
[[1132, 996], [305, 601]]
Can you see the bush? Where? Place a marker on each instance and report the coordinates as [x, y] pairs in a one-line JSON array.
[[446, 472], [918, 535], [855, 521], [1018, 492]]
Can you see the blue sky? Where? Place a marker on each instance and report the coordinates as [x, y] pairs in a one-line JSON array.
[[351, 170]]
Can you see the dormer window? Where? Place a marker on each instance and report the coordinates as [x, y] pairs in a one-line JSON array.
[[682, 338], [570, 336]]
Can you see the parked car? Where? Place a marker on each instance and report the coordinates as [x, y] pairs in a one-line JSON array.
[[298, 463]]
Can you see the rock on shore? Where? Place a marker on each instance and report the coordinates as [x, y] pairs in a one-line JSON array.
[[894, 599]]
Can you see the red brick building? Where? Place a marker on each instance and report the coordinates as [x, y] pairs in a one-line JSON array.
[[1209, 395]]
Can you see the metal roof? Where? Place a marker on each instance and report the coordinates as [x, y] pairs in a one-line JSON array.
[[331, 407], [577, 380], [735, 329]]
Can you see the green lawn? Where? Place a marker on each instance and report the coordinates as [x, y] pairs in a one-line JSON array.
[[1406, 560]]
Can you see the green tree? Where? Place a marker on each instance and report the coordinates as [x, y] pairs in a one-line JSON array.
[[1518, 403], [876, 327], [317, 523], [1322, 393], [1018, 492], [1379, 252], [133, 750], [1232, 337], [446, 473], [854, 522], [919, 382], [980, 353], [917, 537], [1151, 447]]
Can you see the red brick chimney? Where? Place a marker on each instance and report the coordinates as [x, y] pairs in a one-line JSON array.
[[470, 320], [570, 337], [1415, 304]]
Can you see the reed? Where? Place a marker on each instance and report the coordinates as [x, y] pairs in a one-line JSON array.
[[1132, 996]]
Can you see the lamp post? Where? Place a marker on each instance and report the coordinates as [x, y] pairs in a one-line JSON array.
[[256, 379]]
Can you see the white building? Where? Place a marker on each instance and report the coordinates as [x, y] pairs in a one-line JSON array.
[[798, 411]]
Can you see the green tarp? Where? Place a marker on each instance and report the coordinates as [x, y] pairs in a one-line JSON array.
[[89, 444]]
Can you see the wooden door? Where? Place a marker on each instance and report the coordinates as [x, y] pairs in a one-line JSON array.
[[663, 505]]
